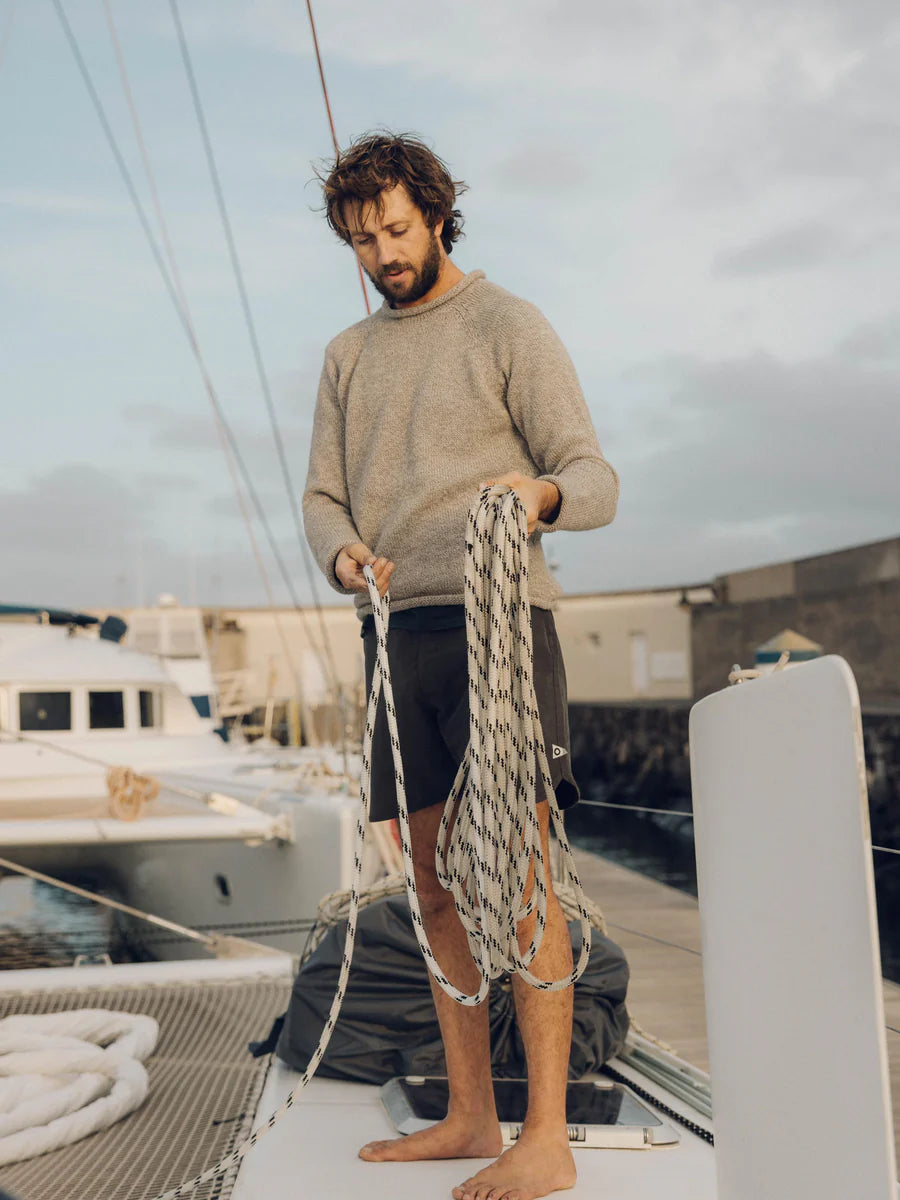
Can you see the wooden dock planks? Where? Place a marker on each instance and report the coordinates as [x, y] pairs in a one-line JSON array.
[[658, 927]]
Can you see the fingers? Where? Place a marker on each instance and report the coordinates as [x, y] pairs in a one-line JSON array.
[[382, 569], [360, 553], [350, 565]]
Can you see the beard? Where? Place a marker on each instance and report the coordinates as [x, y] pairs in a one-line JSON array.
[[422, 279]]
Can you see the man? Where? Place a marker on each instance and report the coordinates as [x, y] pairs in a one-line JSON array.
[[451, 384]]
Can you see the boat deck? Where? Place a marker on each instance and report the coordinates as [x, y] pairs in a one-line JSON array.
[[311, 1151], [658, 927]]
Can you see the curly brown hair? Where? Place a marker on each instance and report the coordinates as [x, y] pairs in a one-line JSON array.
[[376, 162]]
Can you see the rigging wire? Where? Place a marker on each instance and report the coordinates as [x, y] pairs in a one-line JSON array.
[[680, 812], [327, 662], [232, 452], [334, 141], [250, 323]]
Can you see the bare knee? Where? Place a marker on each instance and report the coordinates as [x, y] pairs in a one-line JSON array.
[[555, 925], [433, 899]]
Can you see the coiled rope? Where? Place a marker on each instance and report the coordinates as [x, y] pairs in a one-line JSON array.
[[488, 839], [489, 832], [129, 793], [65, 1075]]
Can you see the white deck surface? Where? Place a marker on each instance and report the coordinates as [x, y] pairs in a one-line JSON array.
[[312, 1151]]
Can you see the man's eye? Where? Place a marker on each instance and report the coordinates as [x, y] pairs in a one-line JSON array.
[[397, 232]]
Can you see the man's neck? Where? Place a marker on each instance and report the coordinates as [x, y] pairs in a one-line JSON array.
[[448, 278]]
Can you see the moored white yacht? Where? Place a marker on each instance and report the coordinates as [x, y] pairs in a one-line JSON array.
[[212, 834]]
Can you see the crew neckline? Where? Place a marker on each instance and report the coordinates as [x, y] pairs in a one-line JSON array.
[[416, 310]]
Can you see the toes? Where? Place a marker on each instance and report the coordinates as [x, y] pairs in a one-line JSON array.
[[466, 1190]]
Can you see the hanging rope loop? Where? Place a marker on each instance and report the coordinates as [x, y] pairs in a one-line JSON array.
[[489, 835]]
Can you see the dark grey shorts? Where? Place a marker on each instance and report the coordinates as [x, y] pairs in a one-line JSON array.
[[429, 674]]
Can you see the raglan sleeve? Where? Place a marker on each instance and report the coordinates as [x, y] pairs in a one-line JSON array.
[[547, 404], [327, 518]]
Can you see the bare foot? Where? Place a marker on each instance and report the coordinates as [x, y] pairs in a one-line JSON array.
[[462, 1136], [535, 1166]]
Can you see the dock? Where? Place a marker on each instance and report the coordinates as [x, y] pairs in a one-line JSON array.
[[658, 927]]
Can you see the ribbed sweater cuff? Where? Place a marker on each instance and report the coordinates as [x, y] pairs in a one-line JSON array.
[[550, 526]]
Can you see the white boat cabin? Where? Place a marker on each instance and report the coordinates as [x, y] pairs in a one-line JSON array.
[[55, 683]]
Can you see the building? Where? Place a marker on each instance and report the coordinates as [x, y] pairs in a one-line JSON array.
[[629, 647], [848, 602], [275, 669]]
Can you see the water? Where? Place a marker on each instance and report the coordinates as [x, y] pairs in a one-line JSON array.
[[42, 926], [662, 847]]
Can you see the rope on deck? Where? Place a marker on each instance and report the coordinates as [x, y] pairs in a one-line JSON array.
[[65, 1075]]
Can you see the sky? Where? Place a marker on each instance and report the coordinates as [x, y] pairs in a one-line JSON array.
[[702, 197]]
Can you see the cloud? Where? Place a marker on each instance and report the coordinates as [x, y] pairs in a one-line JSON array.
[[172, 482], [876, 341], [798, 247], [543, 166], [45, 201], [185, 432], [66, 507], [79, 536], [742, 462], [63, 531]]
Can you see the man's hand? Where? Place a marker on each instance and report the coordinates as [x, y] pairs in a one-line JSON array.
[[348, 567], [540, 497]]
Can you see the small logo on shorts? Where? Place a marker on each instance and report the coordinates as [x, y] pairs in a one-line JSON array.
[[558, 751]]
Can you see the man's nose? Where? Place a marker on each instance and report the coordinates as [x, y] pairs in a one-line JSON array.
[[385, 250]]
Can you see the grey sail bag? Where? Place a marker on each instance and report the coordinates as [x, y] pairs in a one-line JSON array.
[[388, 1024]]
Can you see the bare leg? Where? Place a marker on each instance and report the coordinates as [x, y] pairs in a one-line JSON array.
[[471, 1129], [541, 1160]]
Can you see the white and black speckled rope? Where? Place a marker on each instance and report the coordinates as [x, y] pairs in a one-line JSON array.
[[483, 855], [489, 831]]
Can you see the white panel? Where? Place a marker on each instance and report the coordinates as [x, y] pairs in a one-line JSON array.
[[791, 964], [668, 665], [640, 662]]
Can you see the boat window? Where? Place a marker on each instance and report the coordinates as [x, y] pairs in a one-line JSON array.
[[107, 710], [148, 710], [45, 710]]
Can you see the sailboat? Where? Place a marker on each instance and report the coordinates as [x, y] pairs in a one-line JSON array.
[[761, 924]]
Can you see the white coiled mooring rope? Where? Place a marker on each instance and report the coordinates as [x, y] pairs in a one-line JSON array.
[[483, 855], [67, 1074]]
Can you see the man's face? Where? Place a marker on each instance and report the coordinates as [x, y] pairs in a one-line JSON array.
[[397, 250]]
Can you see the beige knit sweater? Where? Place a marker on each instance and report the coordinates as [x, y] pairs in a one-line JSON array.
[[416, 408]]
